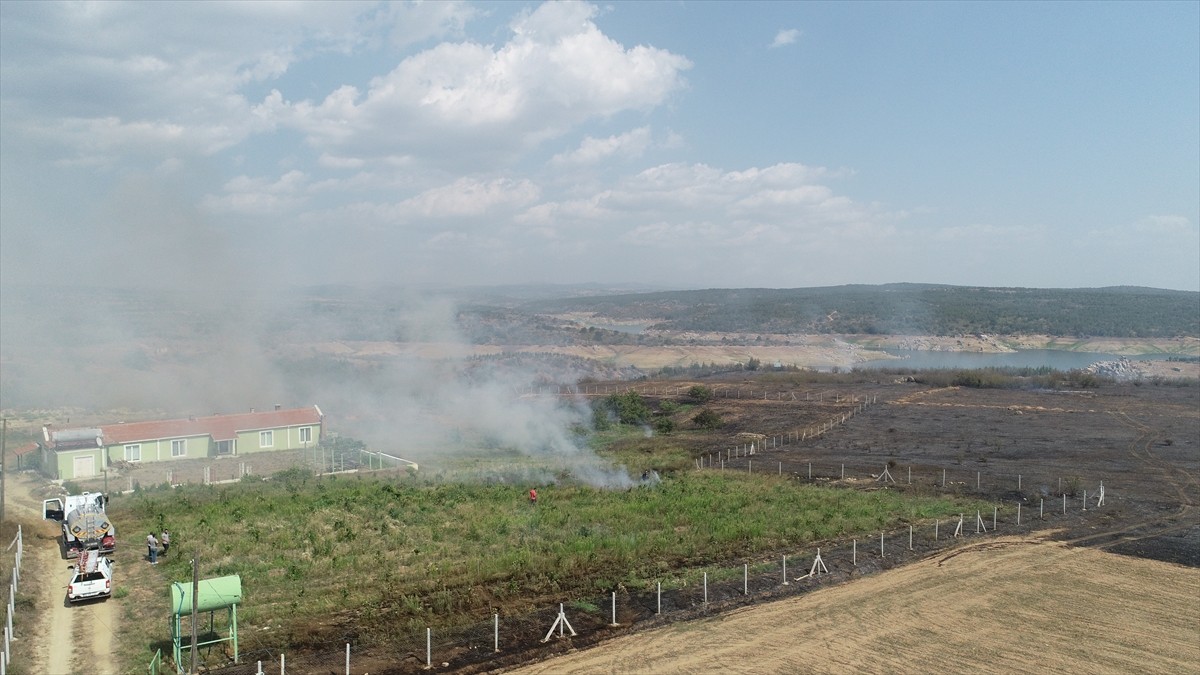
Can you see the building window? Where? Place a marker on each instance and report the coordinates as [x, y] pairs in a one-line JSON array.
[[266, 439], [179, 448], [133, 453], [227, 447], [306, 434]]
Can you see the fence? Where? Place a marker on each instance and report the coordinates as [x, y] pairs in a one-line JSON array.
[[209, 471], [6, 655], [504, 641]]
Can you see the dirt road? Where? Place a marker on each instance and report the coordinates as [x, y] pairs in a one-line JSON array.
[[66, 639], [1006, 605]]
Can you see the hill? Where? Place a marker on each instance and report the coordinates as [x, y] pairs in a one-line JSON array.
[[902, 309]]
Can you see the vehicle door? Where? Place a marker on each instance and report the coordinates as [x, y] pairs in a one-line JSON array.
[[52, 509]]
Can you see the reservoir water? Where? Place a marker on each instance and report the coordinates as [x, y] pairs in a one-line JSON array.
[[1028, 358]]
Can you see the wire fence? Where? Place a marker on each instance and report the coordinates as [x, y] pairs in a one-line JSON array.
[[223, 470], [506, 640], [18, 543]]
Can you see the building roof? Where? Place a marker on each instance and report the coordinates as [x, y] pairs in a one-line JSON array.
[[220, 427]]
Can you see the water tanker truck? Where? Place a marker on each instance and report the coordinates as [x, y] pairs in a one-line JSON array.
[[85, 525]]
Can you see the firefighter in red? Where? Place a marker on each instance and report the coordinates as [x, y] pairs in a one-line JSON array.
[[533, 495]]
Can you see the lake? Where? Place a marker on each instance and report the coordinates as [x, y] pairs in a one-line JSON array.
[[1028, 358]]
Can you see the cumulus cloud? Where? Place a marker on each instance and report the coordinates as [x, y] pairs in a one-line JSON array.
[[92, 81], [469, 197], [630, 144], [785, 37], [259, 196], [556, 71], [696, 204]]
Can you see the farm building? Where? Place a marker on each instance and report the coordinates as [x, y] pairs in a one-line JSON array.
[[85, 453]]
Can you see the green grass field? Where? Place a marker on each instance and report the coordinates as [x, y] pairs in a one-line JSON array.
[[399, 553]]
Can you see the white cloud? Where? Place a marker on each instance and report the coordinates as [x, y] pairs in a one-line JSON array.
[[984, 234], [91, 80], [259, 197], [557, 71], [630, 144], [409, 23], [785, 37], [1165, 225], [469, 197], [692, 204]]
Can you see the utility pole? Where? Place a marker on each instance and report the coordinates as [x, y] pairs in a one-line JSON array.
[[195, 604]]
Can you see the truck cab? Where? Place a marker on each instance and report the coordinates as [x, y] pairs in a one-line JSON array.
[[91, 578]]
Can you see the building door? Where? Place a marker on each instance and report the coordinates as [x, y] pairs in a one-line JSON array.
[[85, 467]]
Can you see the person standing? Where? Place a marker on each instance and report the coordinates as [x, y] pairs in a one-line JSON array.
[[166, 540], [152, 548], [533, 495]]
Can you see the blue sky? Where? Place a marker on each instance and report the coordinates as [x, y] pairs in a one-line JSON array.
[[667, 144]]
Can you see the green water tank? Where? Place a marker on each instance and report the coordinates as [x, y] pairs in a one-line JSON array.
[[215, 593]]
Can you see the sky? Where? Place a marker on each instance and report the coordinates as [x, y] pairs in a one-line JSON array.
[[656, 144]]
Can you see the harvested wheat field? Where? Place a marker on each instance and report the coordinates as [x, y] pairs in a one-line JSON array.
[[1007, 605]]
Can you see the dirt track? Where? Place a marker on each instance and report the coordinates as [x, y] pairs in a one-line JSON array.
[[1006, 605], [67, 639]]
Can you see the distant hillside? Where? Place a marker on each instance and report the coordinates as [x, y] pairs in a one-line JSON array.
[[905, 309]]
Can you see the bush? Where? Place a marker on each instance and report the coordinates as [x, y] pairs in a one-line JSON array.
[[629, 408], [700, 393], [707, 419]]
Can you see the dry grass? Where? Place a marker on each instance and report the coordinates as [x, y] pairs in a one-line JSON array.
[[1002, 606]]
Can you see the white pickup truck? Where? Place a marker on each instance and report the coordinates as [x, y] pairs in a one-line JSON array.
[[91, 577]]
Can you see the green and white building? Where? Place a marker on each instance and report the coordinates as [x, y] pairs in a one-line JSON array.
[[83, 453]]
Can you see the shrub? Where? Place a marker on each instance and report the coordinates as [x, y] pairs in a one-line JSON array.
[[628, 408], [707, 419]]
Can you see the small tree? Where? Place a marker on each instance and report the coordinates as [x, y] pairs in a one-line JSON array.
[[628, 408], [707, 419], [700, 393]]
